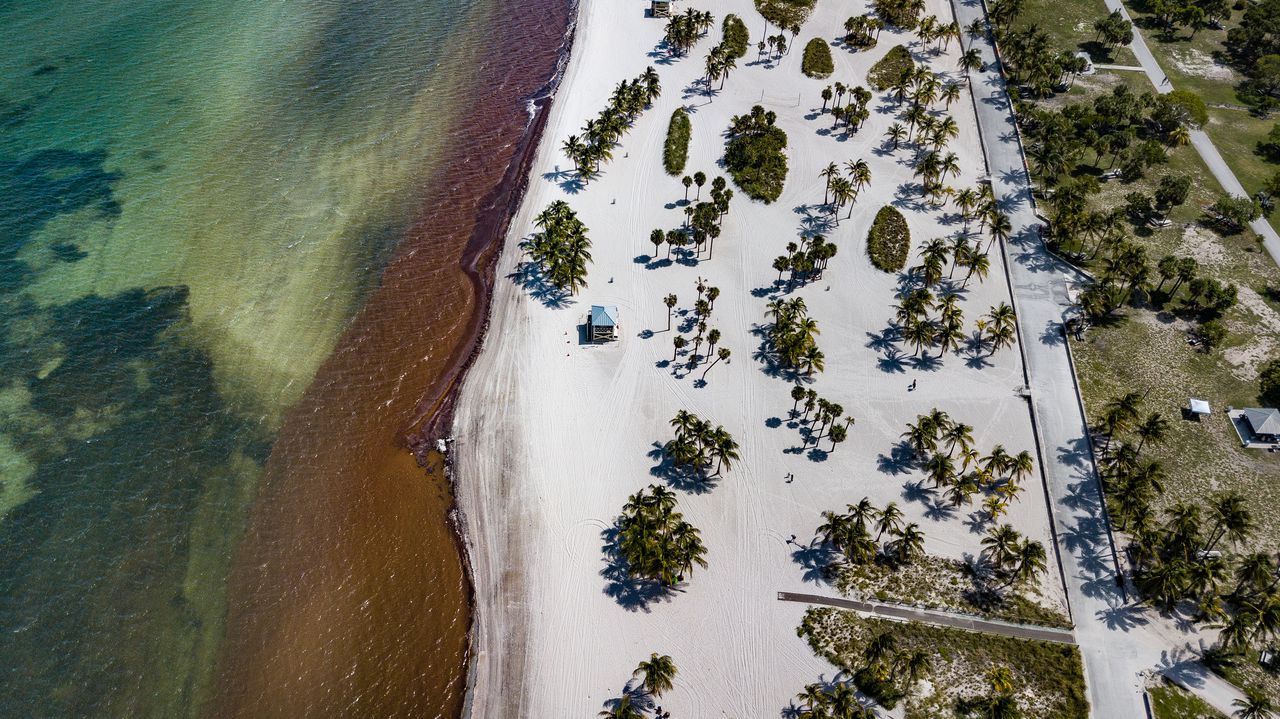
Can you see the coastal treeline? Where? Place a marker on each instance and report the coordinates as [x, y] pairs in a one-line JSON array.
[[599, 136], [655, 540], [560, 249], [754, 154]]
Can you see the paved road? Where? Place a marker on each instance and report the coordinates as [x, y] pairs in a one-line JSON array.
[[1199, 140], [937, 618]]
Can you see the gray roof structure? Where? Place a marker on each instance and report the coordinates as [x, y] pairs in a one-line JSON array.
[[1263, 421], [604, 315]]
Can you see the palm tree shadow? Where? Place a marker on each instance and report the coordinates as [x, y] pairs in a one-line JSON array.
[[900, 460], [569, 180], [894, 361], [815, 557], [681, 479], [926, 362], [531, 279], [939, 511], [917, 492], [631, 593]]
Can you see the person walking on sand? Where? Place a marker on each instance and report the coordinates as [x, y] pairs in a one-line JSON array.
[[912, 387]]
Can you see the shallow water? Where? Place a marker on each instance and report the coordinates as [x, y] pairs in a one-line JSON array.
[[198, 201]]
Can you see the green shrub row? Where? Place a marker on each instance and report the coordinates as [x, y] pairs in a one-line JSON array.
[[889, 240], [736, 38], [676, 150], [890, 69]]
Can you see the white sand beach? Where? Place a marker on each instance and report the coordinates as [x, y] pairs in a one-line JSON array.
[[552, 436]]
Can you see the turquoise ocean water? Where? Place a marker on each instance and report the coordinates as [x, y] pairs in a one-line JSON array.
[[195, 198]]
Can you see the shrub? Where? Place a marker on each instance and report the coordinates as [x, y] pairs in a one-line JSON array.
[[1269, 383], [785, 13], [676, 151], [1214, 333], [1190, 103], [893, 67], [889, 240], [736, 38], [817, 59], [755, 155]]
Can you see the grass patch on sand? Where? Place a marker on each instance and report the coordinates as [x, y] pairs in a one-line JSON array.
[[1247, 673], [817, 62], [891, 68], [676, 150], [1173, 702], [949, 585], [889, 240], [754, 155], [1048, 678]]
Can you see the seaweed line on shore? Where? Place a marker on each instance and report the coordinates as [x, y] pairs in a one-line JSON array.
[[479, 262]]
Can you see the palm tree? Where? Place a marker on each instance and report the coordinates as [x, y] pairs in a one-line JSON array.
[[679, 343], [896, 134], [890, 520], [659, 674], [1152, 429], [1001, 544], [838, 434], [1255, 705], [1001, 226], [829, 172], [1030, 562], [971, 60], [995, 507], [574, 147], [721, 354], [687, 182], [909, 545], [670, 302], [1021, 466]]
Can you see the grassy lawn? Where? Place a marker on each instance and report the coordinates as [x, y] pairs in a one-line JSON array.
[[1172, 702], [948, 585], [1247, 673], [1069, 25], [1048, 678]]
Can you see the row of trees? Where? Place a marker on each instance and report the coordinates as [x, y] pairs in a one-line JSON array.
[[946, 330], [827, 416], [1013, 557], [600, 135], [655, 540], [961, 469], [862, 31], [791, 337], [702, 309], [806, 260], [560, 249], [850, 533]]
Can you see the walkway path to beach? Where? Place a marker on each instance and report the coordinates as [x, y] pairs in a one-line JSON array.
[[937, 618], [1118, 639]]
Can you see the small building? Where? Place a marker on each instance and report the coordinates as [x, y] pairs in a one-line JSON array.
[[1265, 423], [1199, 407], [602, 323], [659, 8]]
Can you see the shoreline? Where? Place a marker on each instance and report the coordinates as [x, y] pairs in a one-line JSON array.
[[352, 541]]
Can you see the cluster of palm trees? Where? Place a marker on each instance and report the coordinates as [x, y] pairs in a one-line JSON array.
[[1013, 557], [862, 31], [655, 540], [1029, 56], [773, 44], [685, 29], [842, 189], [560, 249], [853, 113], [1181, 558], [902, 13], [888, 673], [936, 35], [960, 468], [1254, 705], [720, 62], [850, 533], [830, 701], [827, 416], [790, 339], [999, 704], [699, 445], [702, 220], [805, 260], [916, 326], [600, 135]]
